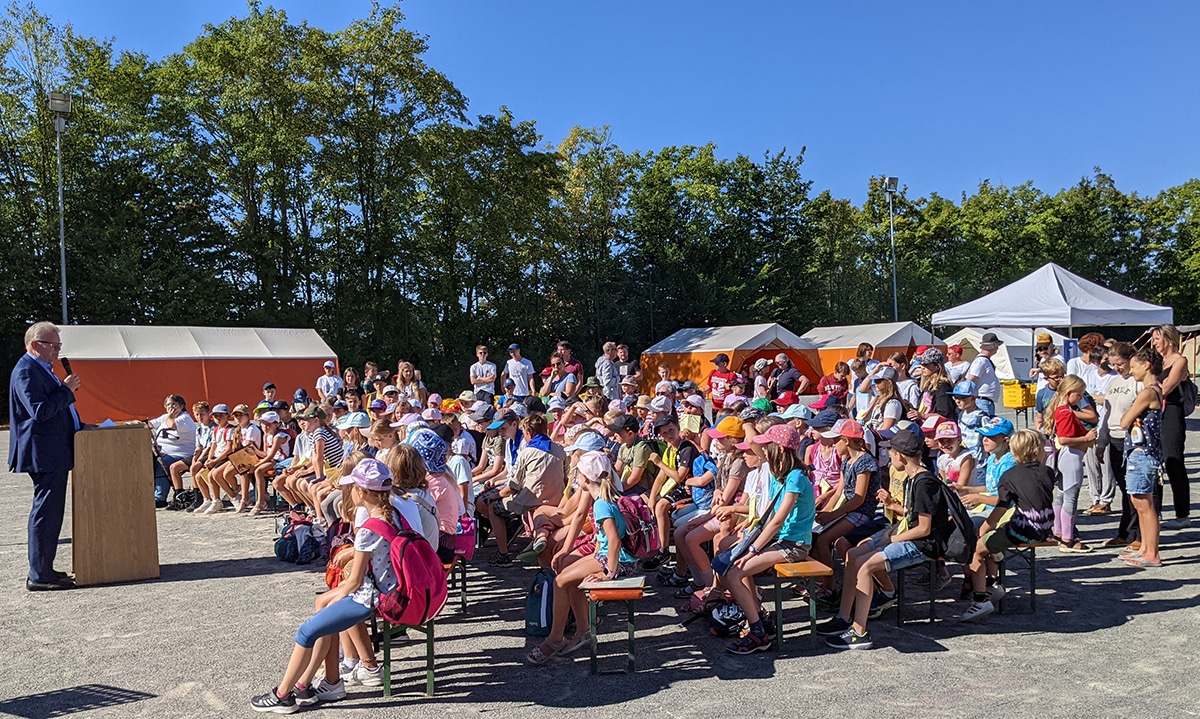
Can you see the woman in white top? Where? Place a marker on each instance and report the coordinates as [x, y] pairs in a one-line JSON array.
[[175, 438], [408, 381]]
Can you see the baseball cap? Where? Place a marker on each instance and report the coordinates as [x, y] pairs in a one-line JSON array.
[[966, 388], [594, 465], [409, 420], [514, 346], [466, 396], [269, 418], [664, 420], [242, 409], [644, 401], [931, 423], [587, 442], [329, 364], [378, 378], [502, 417], [732, 401], [781, 434], [629, 381], [846, 428], [390, 389], [763, 404], [354, 419], [300, 394], [340, 404], [906, 443], [431, 414], [435, 400], [694, 400], [824, 419], [995, 426], [660, 404], [798, 411], [721, 357], [556, 403], [689, 386], [761, 363], [269, 385], [888, 373], [370, 474], [1045, 339], [947, 430], [826, 400], [786, 399], [520, 410], [310, 412], [377, 404], [533, 403], [221, 409], [728, 427], [510, 383], [921, 349], [624, 423], [280, 404]]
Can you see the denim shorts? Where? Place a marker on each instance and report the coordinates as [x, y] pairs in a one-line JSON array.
[[1141, 473], [900, 555], [880, 539]]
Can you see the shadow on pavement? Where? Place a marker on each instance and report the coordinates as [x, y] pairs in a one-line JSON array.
[[62, 702]]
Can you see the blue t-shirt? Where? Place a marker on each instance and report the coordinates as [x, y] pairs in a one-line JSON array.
[[995, 469], [702, 497], [799, 523], [602, 510]]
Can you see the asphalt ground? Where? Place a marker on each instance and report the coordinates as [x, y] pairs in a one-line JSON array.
[[1106, 641]]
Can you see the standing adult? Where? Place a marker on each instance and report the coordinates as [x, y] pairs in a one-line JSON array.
[[606, 372], [956, 366], [41, 444], [627, 366], [1174, 372], [786, 378], [329, 384], [483, 376], [983, 374], [521, 372]]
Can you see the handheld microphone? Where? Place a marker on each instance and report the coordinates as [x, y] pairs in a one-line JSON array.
[[66, 363]]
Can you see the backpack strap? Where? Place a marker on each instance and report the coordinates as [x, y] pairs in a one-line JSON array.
[[382, 528]]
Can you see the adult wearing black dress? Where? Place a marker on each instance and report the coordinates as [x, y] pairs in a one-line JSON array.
[[1175, 371]]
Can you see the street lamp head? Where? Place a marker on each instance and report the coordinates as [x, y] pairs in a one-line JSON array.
[[891, 184], [60, 103]]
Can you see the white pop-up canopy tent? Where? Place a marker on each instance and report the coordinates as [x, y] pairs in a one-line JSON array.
[[1014, 359], [1053, 297]]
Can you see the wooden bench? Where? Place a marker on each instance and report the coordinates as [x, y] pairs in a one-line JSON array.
[[805, 572], [382, 633], [627, 591], [1028, 553], [932, 564]]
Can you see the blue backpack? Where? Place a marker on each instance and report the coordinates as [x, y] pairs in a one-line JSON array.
[[539, 605], [297, 545]]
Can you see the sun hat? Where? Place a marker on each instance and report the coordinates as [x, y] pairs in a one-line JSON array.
[[932, 356], [783, 435], [798, 411], [664, 386], [761, 364], [370, 474], [482, 415], [431, 448], [660, 405], [629, 381], [594, 465], [728, 427], [947, 430], [966, 388], [990, 341], [995, 426], [589, 441]]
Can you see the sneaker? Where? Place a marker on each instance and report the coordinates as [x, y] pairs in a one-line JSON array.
[[851, 639], [368, 676], [500, 559], [879, 603], [978, 610], [828, 600], [674, 580], [160, 504], [751, 643], [202, 507], [531, 554], [656, 561], [214, 508], [833, 626], [346, 667], [322, 691], [197, 503], [1177, 523], [273, 703], [996, 592]]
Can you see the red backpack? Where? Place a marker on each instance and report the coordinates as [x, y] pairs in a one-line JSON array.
[[641, 529], [420, 591]]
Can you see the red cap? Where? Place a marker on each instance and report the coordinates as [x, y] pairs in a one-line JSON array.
[[786, 399]]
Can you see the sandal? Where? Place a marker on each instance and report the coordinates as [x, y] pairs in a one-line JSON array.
[[1128, 555], [538, 657], [1142, 563], [1074, 546], [579, 643]]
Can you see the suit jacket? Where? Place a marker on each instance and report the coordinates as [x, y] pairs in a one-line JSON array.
[[42, 436]]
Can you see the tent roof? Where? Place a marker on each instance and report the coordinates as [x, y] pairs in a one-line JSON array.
[[727, 339], [1054, 297], [887, 334], [1008, 335], [114, 342]]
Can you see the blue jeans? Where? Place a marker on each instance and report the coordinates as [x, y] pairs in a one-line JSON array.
[[986, 404], [337, 617], [162, 481]]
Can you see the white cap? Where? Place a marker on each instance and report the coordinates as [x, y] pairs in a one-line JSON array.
[[329, 364]]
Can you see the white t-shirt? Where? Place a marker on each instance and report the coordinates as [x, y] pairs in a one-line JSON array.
[[222, 438], [958, 371], [1076, 366], [520, 372], [330, 385], [910, 391], [758, 487], [989, 385], [252, 436], [381, 577], [464, 444], [460, 469], [1122, 391], [479, 370], [761, 391], [179, 441]]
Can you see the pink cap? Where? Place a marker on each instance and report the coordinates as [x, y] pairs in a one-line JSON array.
[[931, 423], [848, 428], [781, 434], [594, 465], [947, 430]]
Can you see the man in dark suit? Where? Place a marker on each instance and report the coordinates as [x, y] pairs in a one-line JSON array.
[[42, 444]]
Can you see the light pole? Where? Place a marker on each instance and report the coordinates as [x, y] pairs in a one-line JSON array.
[[890, 184], [60, 105]]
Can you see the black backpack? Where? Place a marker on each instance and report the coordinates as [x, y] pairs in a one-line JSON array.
[[958, 540]]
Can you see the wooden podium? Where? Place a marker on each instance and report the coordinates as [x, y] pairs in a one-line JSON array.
[[114, 535]]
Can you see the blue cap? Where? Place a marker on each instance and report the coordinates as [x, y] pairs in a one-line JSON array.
[[514, 346], [966, 388], [300, 394], [588, 442], [798, 411], [824, 419], [994, 426]]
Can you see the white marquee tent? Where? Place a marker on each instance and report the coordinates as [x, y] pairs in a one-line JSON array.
[[1014, 359]]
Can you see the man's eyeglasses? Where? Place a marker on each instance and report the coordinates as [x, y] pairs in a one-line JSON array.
[[55, 345]]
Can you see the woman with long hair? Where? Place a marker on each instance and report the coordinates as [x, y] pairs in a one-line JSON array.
[[1175, 371], [1072, 440], [408, 381]]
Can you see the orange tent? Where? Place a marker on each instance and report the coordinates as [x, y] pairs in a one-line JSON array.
[[840, 344], [689, 352], [127, 371]]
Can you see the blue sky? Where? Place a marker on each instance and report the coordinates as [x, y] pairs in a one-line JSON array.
[[942, 95]]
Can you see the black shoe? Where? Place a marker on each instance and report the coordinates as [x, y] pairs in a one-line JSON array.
[[500, 559], [160, 504], [196, 502], [653, 563], [271, 702], [55, 585], [851, 640], [833, 627]]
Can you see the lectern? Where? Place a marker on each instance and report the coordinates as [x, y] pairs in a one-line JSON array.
[[114, 535]]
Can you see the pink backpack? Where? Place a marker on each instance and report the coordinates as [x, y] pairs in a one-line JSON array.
[[420, 591], [641, 529]]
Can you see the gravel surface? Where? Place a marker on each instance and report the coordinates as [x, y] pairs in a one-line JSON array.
[[1107, 641]]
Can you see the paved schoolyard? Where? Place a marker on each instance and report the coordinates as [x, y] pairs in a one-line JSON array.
[[1107, 641]]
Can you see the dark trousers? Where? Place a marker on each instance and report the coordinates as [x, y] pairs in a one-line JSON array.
[[45, 522], [1128, 526], [1174, 433]]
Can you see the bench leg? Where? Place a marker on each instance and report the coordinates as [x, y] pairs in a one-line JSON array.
[[387, 659], [592, 664], [1033, 579], [462, 584], [629, 626], [933, 579], [429, 656], [1000, 581], [778, 612], [811, 585], [899, 598]]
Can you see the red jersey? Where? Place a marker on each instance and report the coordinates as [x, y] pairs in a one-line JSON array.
[[830, 384], [718, 384]]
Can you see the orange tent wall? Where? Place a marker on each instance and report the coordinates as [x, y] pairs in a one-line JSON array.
[[135, 389], [830, 356], [695, 366]]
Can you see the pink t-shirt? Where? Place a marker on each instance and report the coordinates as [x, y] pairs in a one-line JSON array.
[[448, 500]]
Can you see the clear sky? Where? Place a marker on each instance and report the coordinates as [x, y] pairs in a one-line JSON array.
[[942, 95]]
